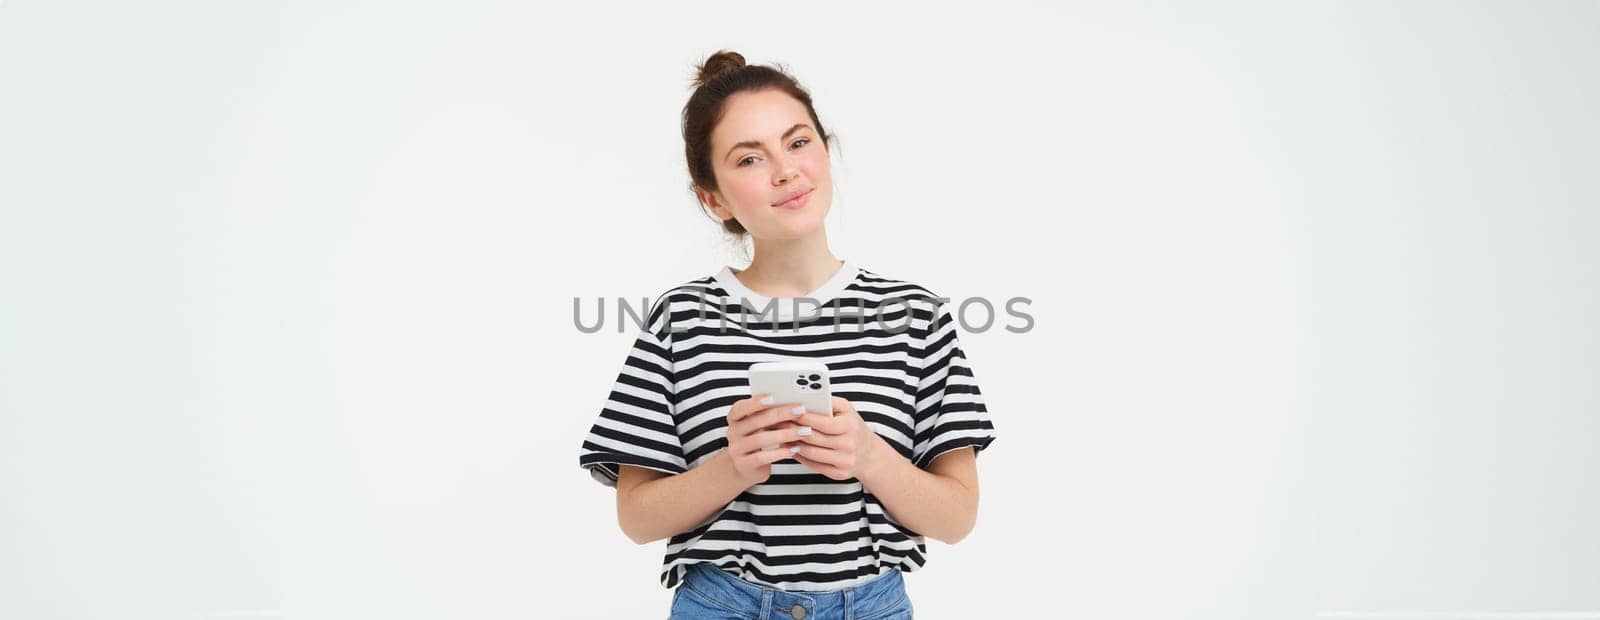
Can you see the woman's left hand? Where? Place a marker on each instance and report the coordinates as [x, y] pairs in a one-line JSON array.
[[841, 446]]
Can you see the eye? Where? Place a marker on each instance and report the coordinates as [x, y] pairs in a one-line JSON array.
[[800, 141]]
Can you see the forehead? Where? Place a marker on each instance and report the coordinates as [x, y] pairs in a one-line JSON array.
[[759, 116]]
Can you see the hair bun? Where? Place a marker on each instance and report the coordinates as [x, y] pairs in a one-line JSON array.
[[719, 63]]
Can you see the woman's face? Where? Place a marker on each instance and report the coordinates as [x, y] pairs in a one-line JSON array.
[[764, 151]]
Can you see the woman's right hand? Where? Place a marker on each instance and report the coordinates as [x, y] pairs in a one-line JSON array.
[[752, 426]]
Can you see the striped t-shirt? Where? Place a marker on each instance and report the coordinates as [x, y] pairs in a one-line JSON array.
[[891, 350]]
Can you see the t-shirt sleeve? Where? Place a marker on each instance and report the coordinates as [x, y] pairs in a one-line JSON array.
[[635, 426], [950, 409]]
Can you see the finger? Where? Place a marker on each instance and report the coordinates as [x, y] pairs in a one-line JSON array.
[[754, 425], [840, 404], [819, 467], [745, 432], [774, 455], [824, 423], [753, 406], [820, 454], [768, 438], [770, 416], [823, 440], [783, 425], [742, 447], [745, 407]]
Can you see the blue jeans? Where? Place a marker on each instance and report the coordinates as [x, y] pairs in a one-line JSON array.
[[710, 593]]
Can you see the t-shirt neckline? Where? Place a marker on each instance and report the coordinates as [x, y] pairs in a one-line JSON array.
[[786, 305]]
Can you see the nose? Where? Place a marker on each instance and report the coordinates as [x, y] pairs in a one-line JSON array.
[[787, 170]]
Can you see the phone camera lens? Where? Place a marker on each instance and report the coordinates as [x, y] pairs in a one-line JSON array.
[[800, 382], [816, 386], [815, 377]]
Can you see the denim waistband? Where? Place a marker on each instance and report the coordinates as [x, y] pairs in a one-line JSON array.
[[879, 592]]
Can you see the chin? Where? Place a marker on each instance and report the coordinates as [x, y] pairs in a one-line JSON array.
[[789, 230]]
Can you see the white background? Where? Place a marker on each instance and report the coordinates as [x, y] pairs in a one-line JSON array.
[[286, 297]]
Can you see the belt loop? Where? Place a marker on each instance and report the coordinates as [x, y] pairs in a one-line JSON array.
[[849, 603], [766, 604]]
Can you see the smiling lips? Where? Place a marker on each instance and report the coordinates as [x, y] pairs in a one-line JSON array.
[[795, 200]]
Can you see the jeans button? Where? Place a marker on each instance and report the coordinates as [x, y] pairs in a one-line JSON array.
[[798, 612]]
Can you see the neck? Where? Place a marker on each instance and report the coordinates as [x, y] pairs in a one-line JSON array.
[[790, 267]]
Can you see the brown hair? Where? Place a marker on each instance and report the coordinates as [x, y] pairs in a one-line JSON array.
[[721, 76]]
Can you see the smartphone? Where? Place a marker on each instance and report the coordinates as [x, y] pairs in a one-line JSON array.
[[801, 382]]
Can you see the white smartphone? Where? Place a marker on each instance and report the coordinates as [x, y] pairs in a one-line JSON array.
[[802, 382]]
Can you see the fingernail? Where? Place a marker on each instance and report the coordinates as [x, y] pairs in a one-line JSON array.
[[798, 410], [767, 400], [804, 430], [794, 449]]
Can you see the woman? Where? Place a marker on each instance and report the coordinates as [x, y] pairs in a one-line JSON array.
[[822, 526]]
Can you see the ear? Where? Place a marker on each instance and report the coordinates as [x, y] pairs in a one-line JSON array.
[[713, 204]]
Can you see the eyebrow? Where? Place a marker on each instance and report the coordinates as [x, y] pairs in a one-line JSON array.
[[757, 143]]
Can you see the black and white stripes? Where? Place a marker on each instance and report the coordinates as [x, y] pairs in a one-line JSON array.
[[896, 357]]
